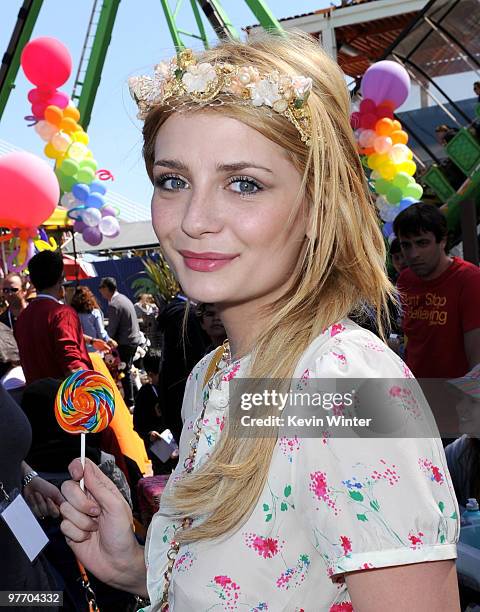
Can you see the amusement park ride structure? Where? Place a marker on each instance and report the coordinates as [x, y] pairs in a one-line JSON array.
[[430, 39]]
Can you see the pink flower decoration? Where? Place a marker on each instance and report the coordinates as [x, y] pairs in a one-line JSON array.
[[432, 470], [265, 547], [320, 489], [336, 329], [346, 545], [346, 606], [415, 540]]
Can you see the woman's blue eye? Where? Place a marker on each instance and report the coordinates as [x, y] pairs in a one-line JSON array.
[[170, 183], [245, 186]]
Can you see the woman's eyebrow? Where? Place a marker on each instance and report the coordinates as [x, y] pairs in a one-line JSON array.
[[241, 165], [174, 164]]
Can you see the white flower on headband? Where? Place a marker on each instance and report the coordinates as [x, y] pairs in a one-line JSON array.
[[264, 92], [198, 76], [301, 86]]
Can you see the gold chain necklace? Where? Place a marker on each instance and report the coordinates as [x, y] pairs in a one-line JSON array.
[[222, 354]]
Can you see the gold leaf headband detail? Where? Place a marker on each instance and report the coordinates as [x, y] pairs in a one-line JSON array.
[[203, 82]]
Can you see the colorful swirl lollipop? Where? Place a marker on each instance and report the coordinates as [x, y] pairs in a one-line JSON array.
[[85, 402]]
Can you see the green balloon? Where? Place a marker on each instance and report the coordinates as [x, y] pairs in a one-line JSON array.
[[69, 167], [414, 190], [85, 175], [402, 180], [382, 186], [89, 163], [394, 195]]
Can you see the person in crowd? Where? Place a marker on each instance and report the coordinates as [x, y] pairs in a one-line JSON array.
[[463, 455], [476, 90], [44, 499], [48, 332], [91, 317], [445, 133], [212, 325], [124, 329], [147, 313], [148, 420], [184, 344], [440, 297], [398, 260], [14, 292], [261, 207], [11, 373]]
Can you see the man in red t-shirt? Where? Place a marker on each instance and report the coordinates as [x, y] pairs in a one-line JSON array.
[[48, 333], [440, 297]]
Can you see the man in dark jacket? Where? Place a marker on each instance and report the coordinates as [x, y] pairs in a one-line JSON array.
[[124, 329]]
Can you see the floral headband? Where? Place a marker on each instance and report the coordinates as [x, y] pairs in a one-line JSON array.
[[203, 82]]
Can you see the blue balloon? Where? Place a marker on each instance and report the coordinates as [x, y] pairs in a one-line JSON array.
[[96, 200], [406, 202], [97, 188], [81, 191], [387, 229]]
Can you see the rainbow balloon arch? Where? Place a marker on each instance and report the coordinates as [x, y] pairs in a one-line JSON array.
[[31, 189], [382, 142]]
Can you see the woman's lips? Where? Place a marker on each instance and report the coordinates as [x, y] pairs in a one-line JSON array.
[[206, 262]]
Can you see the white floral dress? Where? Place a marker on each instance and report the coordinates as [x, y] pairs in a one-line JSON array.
[[330, 506]]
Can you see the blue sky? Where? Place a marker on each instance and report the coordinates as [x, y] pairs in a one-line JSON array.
[[140, 39]]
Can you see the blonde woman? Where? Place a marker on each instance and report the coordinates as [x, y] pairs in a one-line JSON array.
[[260, 207]]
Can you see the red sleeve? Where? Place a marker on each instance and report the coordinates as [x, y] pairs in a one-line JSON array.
[[470, 302], [69, 343]]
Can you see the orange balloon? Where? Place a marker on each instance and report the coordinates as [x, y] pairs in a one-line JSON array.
[[399, 137], [69, 125], [367, 151], [384, 127], [53, 115], [397, 125], [71, 112]]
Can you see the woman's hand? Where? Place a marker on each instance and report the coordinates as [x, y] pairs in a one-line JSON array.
[[154, 435], [43, 498], [112, 343], [98, 527], [101, 345]]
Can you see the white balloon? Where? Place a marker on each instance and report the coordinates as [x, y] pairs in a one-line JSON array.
[[68, 201], [45, 130], [91, 216], [77, 151], [61, 141], [388, 213], [109, 226]]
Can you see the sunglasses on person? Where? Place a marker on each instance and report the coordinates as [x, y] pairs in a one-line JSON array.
[[10, 289]]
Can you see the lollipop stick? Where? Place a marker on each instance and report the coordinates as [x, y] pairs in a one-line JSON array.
[[82, 458]]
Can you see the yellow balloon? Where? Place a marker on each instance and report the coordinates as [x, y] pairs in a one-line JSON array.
[[81, 136], [51, 152], [409, 166], [388, 170]]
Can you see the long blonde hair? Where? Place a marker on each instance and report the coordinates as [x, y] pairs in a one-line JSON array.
[[340, 269]]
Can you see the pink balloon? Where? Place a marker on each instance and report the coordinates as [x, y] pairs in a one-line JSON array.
[[38, 94], [386, 80], [46, 62], [60, 99], [29, 190], [367, 106], [38, 110]]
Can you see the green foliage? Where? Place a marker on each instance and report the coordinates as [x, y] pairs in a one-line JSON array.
[[157, 279]]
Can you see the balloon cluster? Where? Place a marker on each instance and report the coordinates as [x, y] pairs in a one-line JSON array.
[[47, 64], [94, 218], [382, 142]]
